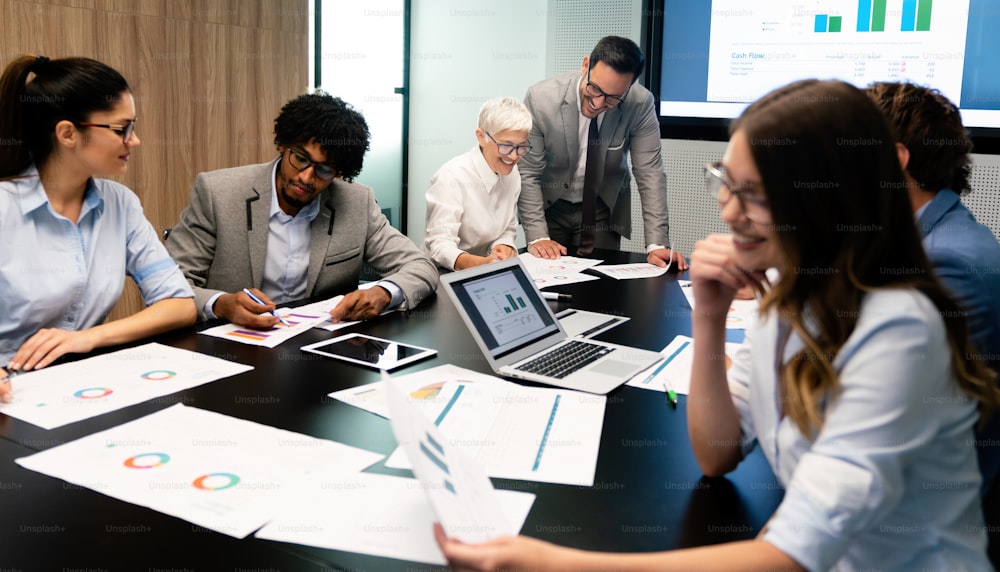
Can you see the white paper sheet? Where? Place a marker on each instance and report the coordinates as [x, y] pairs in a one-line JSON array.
[[459, 492], [326, 305], [301, 319], [423, 386], [564, 270], [674, 371], [206, 468], [741, 312], [390, 516], [631, 271], [526, 433], [63, 394]]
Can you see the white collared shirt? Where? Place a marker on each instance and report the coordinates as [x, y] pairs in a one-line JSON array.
[[470, 209]]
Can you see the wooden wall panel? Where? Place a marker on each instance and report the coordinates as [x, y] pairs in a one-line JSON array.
[[208, 77]]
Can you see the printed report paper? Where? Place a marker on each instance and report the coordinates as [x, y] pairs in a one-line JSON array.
[[207, 468], [70, 392]]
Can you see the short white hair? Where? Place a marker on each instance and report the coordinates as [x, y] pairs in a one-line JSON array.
[[503, 113]]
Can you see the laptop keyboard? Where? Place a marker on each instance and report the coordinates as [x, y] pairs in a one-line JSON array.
[[566, 359]]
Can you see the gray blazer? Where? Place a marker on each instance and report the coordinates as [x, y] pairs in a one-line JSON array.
[[547, 172], [220, 242]]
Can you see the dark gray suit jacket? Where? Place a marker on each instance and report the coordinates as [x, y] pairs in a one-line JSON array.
[[547, 172], [220, 242]]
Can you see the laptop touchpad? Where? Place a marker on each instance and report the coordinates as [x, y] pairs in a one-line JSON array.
[[613, 367]]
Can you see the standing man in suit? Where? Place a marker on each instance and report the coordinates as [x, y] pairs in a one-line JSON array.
[[297, 226], [570, 195]]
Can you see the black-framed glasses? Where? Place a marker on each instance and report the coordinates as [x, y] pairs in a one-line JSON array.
[[125, 130], [508, 148], [300, 161], [612, 100], [718, 183]]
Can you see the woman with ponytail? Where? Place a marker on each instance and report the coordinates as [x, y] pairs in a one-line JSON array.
[[69, 237], [854, 382]]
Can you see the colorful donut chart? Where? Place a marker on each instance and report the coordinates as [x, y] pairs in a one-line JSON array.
[[93, 392], [158, 374], [146, 460], [216, 481]]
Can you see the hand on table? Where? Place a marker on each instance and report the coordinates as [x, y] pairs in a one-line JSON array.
[[49, 344], [361, 305], [503, 252], [661, 256], [549, 249]]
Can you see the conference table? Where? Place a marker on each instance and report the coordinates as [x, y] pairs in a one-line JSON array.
[[648, 493]]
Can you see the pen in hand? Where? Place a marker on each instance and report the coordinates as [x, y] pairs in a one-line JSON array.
[[261, 302], [11, 373]]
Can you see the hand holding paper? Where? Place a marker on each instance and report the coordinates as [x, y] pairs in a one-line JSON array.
[[459, 491]]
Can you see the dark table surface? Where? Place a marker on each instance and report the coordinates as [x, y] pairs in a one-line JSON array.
[[648, 493]]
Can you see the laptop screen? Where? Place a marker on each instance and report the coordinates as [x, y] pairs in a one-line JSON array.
[[505, 308]]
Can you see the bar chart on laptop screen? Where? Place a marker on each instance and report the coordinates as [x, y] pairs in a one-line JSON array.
[[503, 304], [756, 48]]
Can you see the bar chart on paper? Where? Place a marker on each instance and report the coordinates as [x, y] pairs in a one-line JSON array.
[[528, 433], [299, 321]]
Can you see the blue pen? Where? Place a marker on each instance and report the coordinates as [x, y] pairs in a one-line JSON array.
[[261, 302]]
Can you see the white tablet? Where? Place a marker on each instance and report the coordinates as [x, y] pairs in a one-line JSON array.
[[377, 353]]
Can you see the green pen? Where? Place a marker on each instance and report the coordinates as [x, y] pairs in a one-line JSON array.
[[671, 395]]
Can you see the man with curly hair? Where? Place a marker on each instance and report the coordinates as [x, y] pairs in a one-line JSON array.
[[297, 227]]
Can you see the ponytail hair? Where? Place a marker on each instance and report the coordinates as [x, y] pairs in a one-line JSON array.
[[65, 89]]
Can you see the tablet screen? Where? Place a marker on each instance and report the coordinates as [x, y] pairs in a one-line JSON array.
[[367, 350]]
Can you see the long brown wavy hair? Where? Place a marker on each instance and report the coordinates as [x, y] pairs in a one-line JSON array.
[[841, 216]]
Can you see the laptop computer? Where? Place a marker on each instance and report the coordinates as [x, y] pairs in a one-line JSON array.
[[522, 338]]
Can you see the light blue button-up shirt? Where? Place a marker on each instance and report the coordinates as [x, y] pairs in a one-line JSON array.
[[891, 481], [57, 274], [286, 264]]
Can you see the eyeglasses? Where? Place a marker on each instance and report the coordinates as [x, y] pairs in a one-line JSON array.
[[612, 100], [507, 148], [301, 162], [125, 131], [719, 184]]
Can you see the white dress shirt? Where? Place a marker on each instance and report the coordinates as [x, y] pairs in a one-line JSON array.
[[470, 209]]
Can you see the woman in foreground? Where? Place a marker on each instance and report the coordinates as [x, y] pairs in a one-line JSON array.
[[854, 382]]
